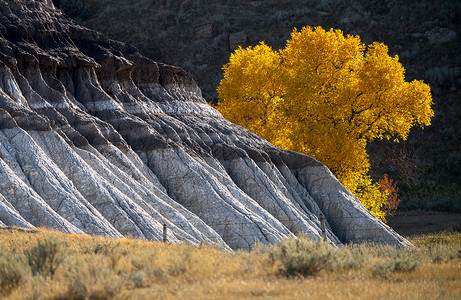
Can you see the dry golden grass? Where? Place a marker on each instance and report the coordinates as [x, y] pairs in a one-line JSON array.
[[100, 268]]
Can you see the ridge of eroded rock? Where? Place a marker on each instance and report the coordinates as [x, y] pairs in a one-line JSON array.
[[97, 139]]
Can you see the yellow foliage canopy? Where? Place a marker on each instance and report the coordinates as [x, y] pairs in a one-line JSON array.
[[326, 95]]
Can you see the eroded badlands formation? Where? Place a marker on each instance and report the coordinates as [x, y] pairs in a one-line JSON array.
[[97, 139]]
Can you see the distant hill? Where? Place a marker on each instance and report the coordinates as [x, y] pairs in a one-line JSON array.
[[199, 35]]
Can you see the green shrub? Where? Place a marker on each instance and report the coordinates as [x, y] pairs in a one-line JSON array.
[[44, 258], [444, 253], [111, 249], [403, 260], [350, 257], [92, 277], [304, 257], [138, 279], [12, 273], [180, 261]]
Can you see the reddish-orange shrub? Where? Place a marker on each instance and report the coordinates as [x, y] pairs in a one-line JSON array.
[[389, 187]]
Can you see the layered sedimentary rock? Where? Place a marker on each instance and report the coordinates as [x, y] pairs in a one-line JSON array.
[[97, 139]]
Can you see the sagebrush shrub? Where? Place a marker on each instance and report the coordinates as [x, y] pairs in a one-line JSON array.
[[12, 273], [92, 277], [45, 257], [395, 260], [304, 257], [444, 253]]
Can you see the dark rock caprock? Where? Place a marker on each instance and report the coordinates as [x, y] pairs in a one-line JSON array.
[[97, 139]]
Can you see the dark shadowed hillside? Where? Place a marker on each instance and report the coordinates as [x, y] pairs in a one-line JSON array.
[[199, 35]]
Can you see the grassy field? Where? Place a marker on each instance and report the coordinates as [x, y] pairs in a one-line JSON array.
[[43, 264]]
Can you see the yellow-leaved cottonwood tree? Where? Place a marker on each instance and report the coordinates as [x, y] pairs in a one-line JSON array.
[[326, 95]]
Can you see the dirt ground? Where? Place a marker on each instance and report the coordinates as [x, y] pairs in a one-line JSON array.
[[416, 222]]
